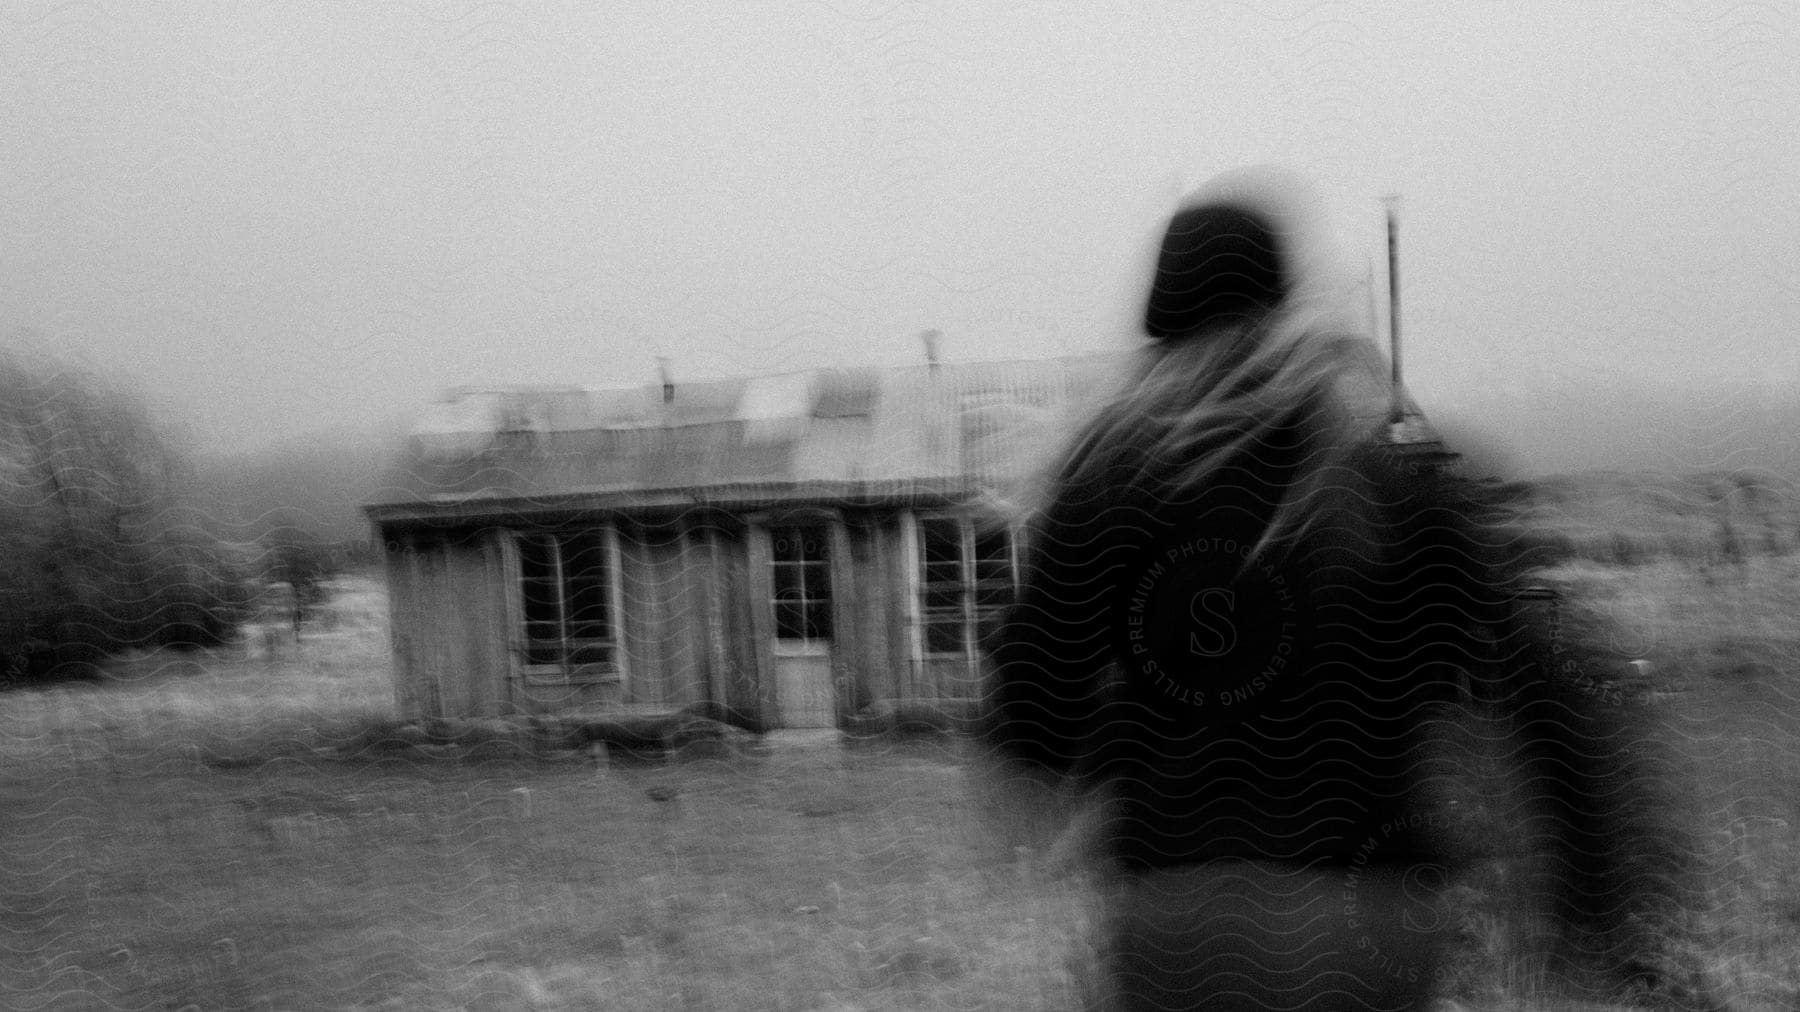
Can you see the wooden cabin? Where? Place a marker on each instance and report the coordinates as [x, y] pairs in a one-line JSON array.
[[799, 550]]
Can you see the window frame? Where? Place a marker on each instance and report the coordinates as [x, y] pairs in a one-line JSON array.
[[969, 613], [566, 669], [809, 575]]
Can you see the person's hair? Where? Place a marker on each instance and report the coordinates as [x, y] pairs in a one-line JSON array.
[[1202, 402]]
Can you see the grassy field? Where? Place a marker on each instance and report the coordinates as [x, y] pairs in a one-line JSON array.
[[211, 831], [1724, 639], [205, 832]]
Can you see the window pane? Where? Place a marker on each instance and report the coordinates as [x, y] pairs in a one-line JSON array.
[[818, 620], [944, 637], [543, 643], [537, 582], [800, 576], [587, 586], [790, 620], [589, 617], [993, 571], [584, 551], [818, 581], [591, 653], [787, 580], [797, 544], [942, 574], [993, 596], [941, 540]]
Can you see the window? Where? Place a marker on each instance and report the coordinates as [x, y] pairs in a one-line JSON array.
[[566, 597], [965, 580], [993, 577], [801, 573]]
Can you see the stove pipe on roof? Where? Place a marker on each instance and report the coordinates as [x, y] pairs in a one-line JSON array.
[[1397, 413]]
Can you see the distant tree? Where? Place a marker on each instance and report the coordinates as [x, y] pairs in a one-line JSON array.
[[296, 555], [98, 547]]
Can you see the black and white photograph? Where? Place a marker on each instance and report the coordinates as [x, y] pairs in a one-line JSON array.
[[839, 505]]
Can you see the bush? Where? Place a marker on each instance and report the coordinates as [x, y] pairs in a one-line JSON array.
[[99, 549]]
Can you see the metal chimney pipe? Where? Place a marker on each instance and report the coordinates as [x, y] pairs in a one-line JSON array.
[[1398, 412]]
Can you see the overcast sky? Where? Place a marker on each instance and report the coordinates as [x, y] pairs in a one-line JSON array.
[[283, 218]]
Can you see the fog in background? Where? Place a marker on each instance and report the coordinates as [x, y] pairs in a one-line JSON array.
[[286, 219]]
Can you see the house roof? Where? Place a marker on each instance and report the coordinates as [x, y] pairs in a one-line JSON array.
[[871, 433], [921, 433]]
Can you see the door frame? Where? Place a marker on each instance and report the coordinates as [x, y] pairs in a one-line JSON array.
[[761, 586]]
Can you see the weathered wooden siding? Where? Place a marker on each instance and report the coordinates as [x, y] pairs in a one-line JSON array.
[[762, 621], [872, 675], [450, 636], [401, 560], [488, 635], [693, 619], [706, 579], [738, 626], [664, 632], [849, 589], [896, 554]]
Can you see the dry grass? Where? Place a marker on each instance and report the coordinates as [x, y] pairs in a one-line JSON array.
[[1725, 639], [193, 833]]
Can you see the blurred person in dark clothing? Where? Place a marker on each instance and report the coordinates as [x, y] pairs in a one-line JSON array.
[[1242, 614]]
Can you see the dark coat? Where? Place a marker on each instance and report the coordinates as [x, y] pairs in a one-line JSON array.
[[1272, 707]]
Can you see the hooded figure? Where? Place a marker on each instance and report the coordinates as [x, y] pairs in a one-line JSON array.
[[1220, 263], [1239, 616]]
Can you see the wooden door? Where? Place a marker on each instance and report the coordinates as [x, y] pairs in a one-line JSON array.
[[801, 602]]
